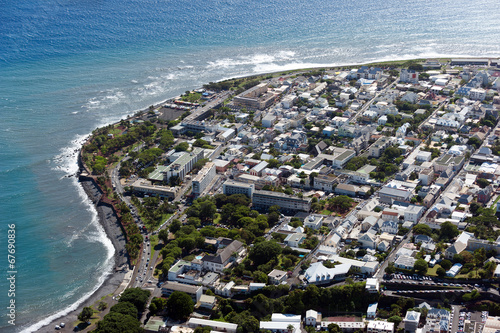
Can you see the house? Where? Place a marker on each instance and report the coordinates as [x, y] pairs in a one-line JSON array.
[[294, 240], [268, 121], [453, 271], [276, 276], [411, 321], [207, 302], [459, 245], [413, 213], [313, 221], [280, 323], [319, 274], [484, 194], [405, 262], [371, 312], [312, 318], [388, 195], [368, 240], [224, 258], [390, 227], [372, 285]]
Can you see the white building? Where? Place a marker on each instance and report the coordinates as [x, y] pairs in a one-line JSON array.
[[203, 178], [376, 326]]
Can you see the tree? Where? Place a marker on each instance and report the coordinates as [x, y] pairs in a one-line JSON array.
[[102, 306], [86, 314], [395, 319], [422, 229], [180, 305], [125, 308], [137, 296], [482, 182], [448, 231], [334, 328], [341, 203], [446, 264], [441, 272], [117, 322], [262, 252], [390, 269], [175, 226], [183, 146], [420, 266], [157, 305]]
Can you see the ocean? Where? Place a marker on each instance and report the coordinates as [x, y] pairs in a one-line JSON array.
[[68, 67]]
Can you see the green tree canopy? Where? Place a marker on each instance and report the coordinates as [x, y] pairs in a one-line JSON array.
[[86, 314], [136, 296], [119, 323], [262, 252], [180, 305], [420, 266], [125, 308]]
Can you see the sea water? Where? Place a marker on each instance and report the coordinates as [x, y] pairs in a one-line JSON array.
[[68, 67]]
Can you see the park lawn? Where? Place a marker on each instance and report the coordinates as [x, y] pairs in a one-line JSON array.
[[475, 273], [325, 212], [217, 218], [432, 270], [115, 131]]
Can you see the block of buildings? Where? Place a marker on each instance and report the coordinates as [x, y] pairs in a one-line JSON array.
[[377, 149], [179, 168], [194, 291], [266, 199], [377, 326], [203, 178], [231, 187]]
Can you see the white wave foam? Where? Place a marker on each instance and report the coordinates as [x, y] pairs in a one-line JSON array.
[[101, 237], [66, 161]]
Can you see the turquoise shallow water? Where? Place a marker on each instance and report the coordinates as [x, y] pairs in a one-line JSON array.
[[67, 67]]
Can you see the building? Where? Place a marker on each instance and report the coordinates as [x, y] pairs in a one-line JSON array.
[[179, 168], [408, 76], [218, 326], [319, 274], [295, 239], [405, 262], [266, 199], [346, 189], [388, 195], [377, 326], [257, 170], [256, 97], [324, 183], [379, 146], [314, 222], [194, 291], [448, 160], [372, 285], [426, 176], [312, 318], [371, 312], [277, 277], [207, 302], [223, 259], [203, 178], [231, 187], [145, 187], [411, 321], [413, 213]]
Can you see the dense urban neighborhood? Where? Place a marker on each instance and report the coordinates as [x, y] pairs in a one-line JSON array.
[[353, 199]]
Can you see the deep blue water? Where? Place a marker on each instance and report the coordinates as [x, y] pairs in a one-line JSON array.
[[67, 67]]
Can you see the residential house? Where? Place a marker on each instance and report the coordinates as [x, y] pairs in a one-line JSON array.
[[411, 321], [277, 277], [224, 258], [294, 240]]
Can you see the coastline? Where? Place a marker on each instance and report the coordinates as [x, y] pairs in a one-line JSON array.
[[116, 280]]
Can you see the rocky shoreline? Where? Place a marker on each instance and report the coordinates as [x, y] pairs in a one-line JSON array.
[[116, 280]]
